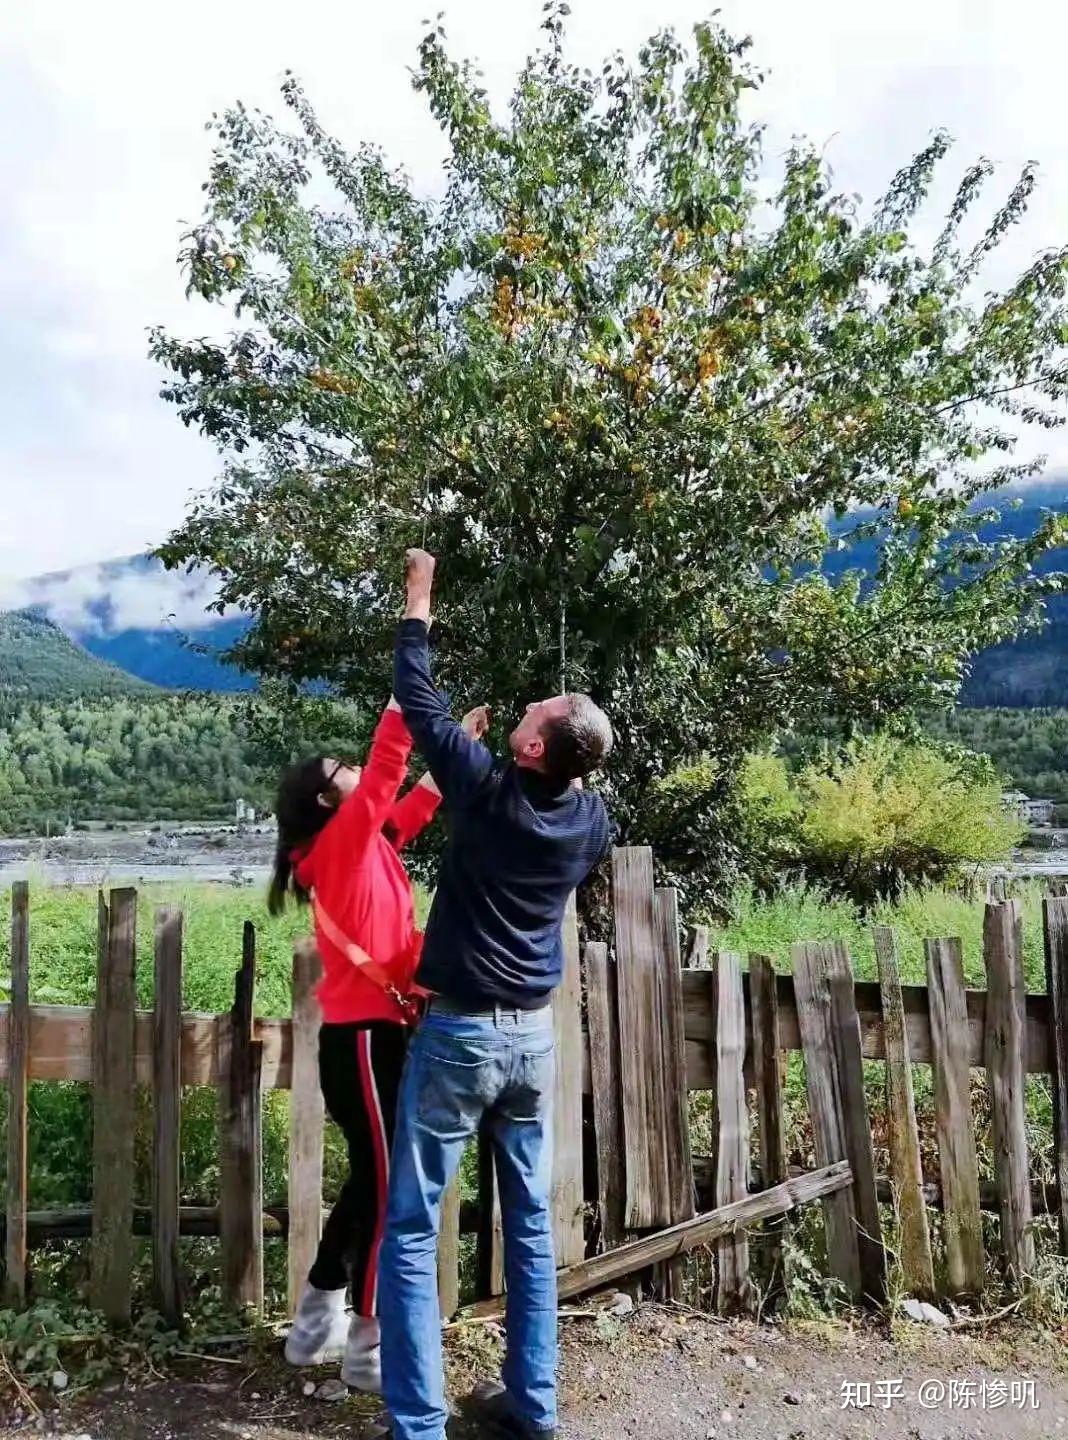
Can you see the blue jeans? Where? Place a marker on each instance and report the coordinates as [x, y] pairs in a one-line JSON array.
[[459, 1069]]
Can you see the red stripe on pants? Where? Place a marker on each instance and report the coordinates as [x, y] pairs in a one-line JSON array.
[[368, 1300]]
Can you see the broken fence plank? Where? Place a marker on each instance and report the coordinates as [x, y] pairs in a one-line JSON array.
[[678, 1240], [961, 1226], [167, 1113], [917, 1265], [449, 1250]]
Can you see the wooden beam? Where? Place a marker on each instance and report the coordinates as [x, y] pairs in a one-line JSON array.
[[449, 1250], [18, 1074], [676, 1100], [678, 1240], [167, 1113], [917, 1265]]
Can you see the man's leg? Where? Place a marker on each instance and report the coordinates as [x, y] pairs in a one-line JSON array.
[[449, 1079], [521, 1125]]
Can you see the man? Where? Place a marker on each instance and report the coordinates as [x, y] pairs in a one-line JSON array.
[[523, 834]]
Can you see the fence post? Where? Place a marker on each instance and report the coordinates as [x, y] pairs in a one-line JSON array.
[[641, 1042], [241, 1145], [113, 1110], [602, 1019], [449, 1251], [961, 1226], [167, 1112], [567, 1202], [306, 1123], [18, 1072], [730, 1127], [764, 1011], [1006, 1022], [825, 1103], [1055, 933], [906, 1173]]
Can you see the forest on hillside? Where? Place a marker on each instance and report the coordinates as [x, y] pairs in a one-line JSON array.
[[172, 758], [1029, 747]]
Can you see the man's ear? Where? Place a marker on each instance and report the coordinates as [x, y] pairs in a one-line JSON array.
[[534, 749]]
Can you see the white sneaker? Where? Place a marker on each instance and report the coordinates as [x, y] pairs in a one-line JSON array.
[[361, 1369], [320, 1328]]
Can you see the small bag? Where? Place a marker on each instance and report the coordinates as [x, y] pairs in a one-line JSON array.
[[410, 1003]]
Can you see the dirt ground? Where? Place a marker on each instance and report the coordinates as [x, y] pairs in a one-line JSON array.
[[659, 1374]]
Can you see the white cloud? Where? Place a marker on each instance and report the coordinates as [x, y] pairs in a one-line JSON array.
[[104, 107], [106, 599]]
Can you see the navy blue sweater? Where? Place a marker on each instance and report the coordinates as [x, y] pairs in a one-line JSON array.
[[517, 848]]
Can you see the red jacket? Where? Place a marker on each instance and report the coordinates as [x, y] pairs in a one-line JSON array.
[[361, 883]]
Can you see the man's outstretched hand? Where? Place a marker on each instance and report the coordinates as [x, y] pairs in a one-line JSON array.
[[476, 722], [419, 581]]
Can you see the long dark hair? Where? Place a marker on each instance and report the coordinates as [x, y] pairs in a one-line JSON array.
[[300, 817]]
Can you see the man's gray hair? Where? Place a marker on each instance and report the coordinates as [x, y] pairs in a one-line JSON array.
[[577, 742]]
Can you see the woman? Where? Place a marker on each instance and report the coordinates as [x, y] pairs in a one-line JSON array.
[[340, 829]]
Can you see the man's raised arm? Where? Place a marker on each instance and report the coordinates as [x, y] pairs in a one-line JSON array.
[[457, 762]]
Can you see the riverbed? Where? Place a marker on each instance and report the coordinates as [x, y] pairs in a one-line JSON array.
[[216, 854]]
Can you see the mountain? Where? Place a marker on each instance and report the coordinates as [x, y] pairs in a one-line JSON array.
[[38, 661], [155, 624], [150, 622]]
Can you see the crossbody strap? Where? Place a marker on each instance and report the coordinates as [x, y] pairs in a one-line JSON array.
[[366, 964]]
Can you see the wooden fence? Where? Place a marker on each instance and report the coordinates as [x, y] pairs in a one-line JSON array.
[[638, 1029]]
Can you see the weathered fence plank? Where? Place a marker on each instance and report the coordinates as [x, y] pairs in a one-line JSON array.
[[730, 1129], [767, 1074], [1003, 958], [449, 1251], [641, 1044], [856, 1127], [696, 985], [567, 1192], [697, 948], [489, 1250], [1055, 933], [962, 1228], [111, 1259], [167, 1113], [906, 1173], [603, 1023], [306, 1124], [241, 1144], [825, 1103], [18, 1074], [677, 1110]]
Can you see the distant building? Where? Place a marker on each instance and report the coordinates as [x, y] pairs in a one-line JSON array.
[[244, 813], [1030, 812]]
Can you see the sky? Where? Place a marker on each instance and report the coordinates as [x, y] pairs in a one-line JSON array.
[[103, 108]]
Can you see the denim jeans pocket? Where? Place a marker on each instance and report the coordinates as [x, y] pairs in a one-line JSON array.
[[456, 1080]]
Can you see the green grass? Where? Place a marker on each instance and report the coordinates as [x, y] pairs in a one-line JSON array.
[[770, 927], [63, 944]]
